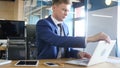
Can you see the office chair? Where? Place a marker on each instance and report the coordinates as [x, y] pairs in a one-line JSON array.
[[31, 35]]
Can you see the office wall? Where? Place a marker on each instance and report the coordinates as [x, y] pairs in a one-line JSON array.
[[12, 10], [102, 20], [19, 9], [6, 10]]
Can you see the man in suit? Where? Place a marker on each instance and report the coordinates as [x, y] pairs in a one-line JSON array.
[[48, 39]]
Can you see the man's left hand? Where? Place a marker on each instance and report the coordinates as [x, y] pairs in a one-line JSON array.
[[84, 55]]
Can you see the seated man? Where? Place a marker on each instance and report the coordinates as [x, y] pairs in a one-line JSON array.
[[49, 41]]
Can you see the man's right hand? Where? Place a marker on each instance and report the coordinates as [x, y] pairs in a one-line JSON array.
[[98, 37]]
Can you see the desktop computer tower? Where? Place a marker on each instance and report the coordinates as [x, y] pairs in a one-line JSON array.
[[16, 49]]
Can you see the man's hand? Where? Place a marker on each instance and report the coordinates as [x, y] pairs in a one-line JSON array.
[[98, 37], [82, 55]]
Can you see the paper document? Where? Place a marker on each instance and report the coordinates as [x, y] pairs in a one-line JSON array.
[[2, 62]]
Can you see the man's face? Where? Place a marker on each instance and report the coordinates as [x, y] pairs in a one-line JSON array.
[[60, 11]]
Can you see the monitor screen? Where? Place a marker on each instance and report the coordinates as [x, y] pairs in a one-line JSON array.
[[11, 28]]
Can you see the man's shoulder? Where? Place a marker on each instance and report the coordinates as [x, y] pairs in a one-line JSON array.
[[45, 20]]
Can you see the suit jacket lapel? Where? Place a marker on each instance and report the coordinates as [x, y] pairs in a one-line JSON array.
[[65, 29], [53, 24]]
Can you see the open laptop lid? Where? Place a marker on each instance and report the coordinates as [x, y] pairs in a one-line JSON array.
[[100, 54]]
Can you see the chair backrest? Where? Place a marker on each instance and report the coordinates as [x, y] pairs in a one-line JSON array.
[[31, 32], [31, 36]]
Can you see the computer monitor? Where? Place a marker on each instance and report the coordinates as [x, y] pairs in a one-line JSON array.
[[12, 28]]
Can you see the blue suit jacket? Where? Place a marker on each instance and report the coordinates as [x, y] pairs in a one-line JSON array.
[[48, 40]]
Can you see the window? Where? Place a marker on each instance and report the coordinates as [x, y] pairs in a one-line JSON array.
[[79, 21]]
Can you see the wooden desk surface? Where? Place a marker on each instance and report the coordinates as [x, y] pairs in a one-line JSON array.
[[2, 48], [62, 65]]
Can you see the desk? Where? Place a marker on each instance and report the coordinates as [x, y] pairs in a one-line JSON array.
[[41, 65], [2, 51], [2, 47]]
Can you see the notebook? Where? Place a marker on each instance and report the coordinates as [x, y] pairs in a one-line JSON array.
[[2, 62], [100, 54]]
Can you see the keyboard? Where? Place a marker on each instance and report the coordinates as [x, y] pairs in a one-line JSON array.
[[78, 61], [2, 62], [81, 61]]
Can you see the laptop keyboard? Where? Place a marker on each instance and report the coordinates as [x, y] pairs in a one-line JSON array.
[[83, 61], [79, 61]]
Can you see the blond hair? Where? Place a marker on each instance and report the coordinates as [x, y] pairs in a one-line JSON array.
[[57, 2]]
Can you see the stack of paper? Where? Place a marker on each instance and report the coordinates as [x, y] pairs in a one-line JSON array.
[[2, 62]]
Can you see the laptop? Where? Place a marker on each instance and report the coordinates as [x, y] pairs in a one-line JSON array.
[[100, 54]]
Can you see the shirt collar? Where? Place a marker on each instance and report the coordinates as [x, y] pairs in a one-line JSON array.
[[55, 21]]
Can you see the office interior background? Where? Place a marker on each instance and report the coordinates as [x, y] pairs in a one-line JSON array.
[[86, 18]]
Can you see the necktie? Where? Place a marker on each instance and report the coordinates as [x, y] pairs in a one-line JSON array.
[[60, 29], [61, 49]]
